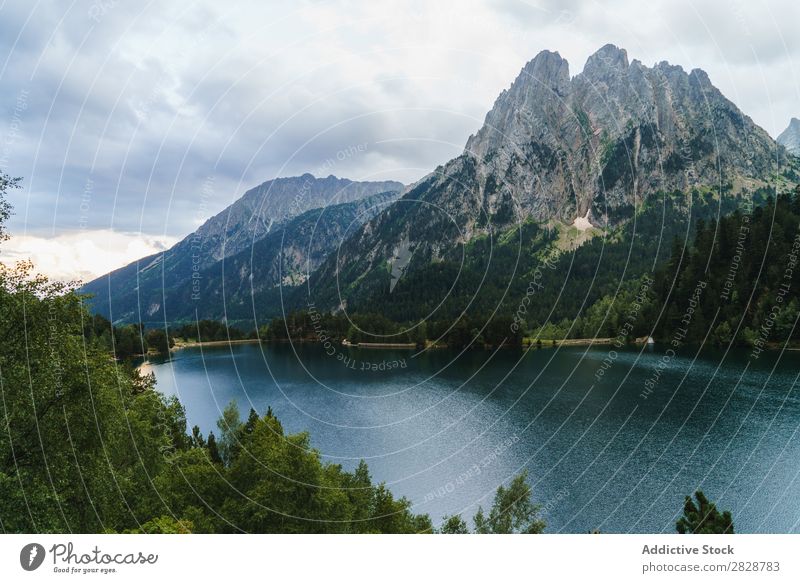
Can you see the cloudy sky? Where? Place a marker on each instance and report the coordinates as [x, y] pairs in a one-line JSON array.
[[115, 112]]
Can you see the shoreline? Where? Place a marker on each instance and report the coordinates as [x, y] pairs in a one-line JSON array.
[[772, 346], [180, 346]]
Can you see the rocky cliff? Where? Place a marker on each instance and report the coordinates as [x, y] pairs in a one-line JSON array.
[[584, 150], [790, 137]]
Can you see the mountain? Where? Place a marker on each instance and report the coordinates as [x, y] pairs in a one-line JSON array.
[[575, 155], [135, 292], [790, 138], [248, 286]]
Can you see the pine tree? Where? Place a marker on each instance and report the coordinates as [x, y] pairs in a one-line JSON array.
[[213, 450], [703, 518]]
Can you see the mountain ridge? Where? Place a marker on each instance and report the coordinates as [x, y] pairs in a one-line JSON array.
[[790, 137], [136, 289], [555, 149]]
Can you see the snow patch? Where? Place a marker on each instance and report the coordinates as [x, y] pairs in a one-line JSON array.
[[582, 223]]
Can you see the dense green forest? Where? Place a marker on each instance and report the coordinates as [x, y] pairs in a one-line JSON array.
[[629, 284], [492, 273], [128, 340], [738, 282], [734, 282]]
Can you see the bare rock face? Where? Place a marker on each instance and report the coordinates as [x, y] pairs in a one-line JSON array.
[[790, 137], [617, 132], [592, 147], [271, 204]]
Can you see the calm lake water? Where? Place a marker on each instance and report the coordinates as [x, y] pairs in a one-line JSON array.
[[446, 430]]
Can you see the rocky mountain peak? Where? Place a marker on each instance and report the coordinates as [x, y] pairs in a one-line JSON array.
[[584, 151], [609, 59], [555, 147], [548, 69], [790, 137]]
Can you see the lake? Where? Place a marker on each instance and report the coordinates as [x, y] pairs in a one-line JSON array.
[[611, 440]]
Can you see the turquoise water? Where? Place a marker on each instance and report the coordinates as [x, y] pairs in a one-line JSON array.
[[610, 442]]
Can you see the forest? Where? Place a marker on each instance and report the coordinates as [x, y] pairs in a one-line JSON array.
[[703, 280]]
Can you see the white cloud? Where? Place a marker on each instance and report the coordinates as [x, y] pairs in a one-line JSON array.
[[84, 255]]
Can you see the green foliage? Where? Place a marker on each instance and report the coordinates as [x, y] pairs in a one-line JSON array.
[[206, 331], [231, 429], [82, 435], [163, 525], [703, 517], [453, 525], [158, 341], [745, 264], [738, 273], [512, 512]]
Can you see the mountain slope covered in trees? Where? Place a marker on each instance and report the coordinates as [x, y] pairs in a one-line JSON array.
[[135, 293]]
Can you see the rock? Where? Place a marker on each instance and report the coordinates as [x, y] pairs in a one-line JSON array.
[[592, 147], [790, 137]]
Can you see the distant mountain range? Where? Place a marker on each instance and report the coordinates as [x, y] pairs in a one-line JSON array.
[[138, 291], [558, 160], [790, 137]]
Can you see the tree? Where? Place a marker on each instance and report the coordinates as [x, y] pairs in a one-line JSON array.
[[230, 427], [252, 419], [512, 511], [158, 340], [163, 525], [197, 437], [453, 525], [213, 450], [73, 417], [703, 517]]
